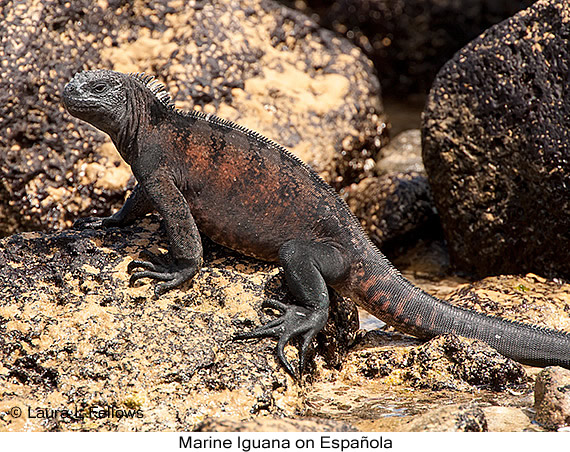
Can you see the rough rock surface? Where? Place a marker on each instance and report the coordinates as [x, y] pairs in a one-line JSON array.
[[507, 419], [469, 361], [392, 207], [529, 298], [463, 418], [445, 362], [552, 398], [254, 61], [75, 337], [47, 173], [495, 146], [402, 154], [79, 345], [409, 40], [394, 202]]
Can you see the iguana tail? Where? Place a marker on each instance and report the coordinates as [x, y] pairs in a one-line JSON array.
[[385, 293]]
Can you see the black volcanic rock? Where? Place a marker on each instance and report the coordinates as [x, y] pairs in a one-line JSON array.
[[496, 133]]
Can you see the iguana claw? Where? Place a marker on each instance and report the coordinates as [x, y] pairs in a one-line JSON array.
[[161, 269], [296, 321]]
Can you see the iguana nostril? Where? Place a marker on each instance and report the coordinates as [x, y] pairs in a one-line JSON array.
[[68, 91]]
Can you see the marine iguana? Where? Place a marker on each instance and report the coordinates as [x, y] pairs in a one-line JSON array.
[[248, 193]]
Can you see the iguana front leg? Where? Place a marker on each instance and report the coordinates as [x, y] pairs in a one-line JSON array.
[[185, 254], [136, 206]]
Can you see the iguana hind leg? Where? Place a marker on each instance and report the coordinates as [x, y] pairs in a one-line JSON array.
[[308, 268]]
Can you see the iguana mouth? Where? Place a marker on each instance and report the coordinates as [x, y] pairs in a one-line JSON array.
[[74, 108]]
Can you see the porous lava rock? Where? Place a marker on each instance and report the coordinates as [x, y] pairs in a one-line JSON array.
[[496, 149], [47, 171], [403, 154], [394, 202], [392, 208], [79, 344], [409, 40], [83, 350], [466, 360], [254, 61], [445, 362], [552, 398]]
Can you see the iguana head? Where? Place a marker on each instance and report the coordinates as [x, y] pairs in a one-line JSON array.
[[98, 97]]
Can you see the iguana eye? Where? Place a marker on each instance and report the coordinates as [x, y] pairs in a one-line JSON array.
[[99, 88]]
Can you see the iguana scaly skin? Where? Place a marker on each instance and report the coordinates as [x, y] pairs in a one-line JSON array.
[[203, 173]]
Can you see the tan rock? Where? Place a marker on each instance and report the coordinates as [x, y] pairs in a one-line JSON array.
[[450, 419], [552, 398], [82, 350], [507, 419]]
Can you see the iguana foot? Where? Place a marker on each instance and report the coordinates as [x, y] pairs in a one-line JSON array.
[[296, 321], [159, 267]]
